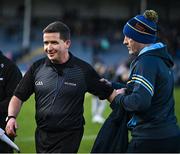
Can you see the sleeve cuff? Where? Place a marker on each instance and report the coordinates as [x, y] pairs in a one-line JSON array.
[[117, 85], [117, 101]]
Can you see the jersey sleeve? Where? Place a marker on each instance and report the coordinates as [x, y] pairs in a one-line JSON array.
[[25, 87]]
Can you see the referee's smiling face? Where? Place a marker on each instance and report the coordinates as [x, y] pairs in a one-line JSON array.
[[55, 48]]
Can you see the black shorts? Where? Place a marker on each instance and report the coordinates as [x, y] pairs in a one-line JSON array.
[[167, 145], [58, 142]]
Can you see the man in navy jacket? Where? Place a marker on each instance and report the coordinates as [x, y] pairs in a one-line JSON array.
[[149, 94]]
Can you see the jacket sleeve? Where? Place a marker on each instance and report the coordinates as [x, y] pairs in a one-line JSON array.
[[140, 87], [118, 85]]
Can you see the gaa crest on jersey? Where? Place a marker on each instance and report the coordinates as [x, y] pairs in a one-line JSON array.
[[38, 83]]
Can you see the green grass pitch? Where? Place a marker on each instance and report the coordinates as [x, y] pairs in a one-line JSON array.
[[26, 123]]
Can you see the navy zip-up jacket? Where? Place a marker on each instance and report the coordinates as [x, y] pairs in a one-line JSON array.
[[149, 96], [59, 92]]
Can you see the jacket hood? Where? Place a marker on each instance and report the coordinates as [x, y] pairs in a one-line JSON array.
[[158, 50]]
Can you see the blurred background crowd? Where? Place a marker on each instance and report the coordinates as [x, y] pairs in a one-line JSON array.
[[96, 27]]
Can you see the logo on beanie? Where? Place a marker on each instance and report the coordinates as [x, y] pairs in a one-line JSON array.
[[140, 27]]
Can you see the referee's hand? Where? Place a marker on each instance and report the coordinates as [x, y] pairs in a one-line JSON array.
[[106, 81], [11, 127]]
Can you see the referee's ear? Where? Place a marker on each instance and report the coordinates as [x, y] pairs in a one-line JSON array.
[[68, 44]]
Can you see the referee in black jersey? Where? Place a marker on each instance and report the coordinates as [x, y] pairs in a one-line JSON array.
[[59, 82]]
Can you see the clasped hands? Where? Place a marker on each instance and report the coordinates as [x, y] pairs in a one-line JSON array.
[[115, 91]]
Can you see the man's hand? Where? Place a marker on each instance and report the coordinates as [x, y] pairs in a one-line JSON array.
[[115, 93], [106, 81], [11, 127], [121, 91]]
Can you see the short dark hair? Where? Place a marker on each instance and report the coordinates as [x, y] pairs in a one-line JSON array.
[[60, 27]]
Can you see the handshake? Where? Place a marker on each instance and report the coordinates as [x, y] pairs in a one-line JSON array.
[[116, 91]]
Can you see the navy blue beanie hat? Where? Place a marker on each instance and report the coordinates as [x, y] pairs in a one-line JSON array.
[[142, 28]]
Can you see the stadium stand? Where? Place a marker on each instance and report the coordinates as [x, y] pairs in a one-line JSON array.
[[96, 28]]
